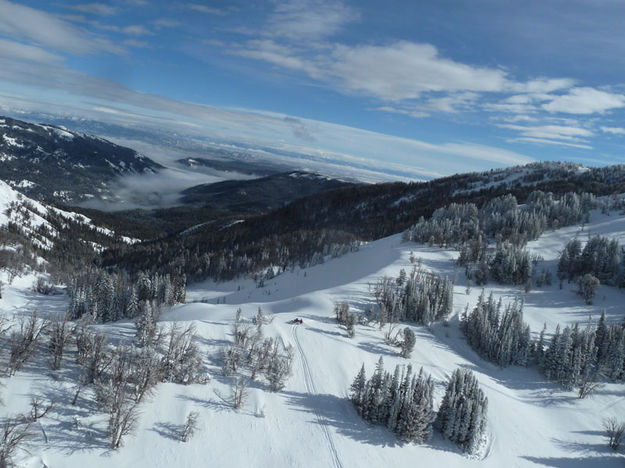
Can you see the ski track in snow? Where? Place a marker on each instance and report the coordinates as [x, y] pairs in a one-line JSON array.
[[312, 389]]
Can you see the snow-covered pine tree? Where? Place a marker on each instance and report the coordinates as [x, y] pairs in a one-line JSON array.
[[402, 402], [463, 412], [407, 344]]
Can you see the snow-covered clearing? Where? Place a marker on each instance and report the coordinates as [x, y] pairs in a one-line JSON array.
[[311, 423]]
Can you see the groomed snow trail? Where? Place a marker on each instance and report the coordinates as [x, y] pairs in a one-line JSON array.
[[312, 389]]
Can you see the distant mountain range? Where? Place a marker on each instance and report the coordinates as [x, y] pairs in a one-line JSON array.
[[262, 194], [52, 163]]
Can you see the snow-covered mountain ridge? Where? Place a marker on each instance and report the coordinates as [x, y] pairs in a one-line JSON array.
[[41, 224], [54, 163]]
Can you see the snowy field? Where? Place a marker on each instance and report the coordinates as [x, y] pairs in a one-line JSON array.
[[311, 423]]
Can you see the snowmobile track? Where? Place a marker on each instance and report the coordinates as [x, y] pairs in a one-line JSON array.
[[312, 389]]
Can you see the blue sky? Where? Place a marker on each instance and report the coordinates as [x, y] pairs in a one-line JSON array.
[[432, 88]]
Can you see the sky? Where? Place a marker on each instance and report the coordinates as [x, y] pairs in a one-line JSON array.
[[425, 88]]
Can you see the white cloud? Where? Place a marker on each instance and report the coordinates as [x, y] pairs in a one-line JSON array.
[[303, 20], [557, 132], [11, 50], [405, 70], [205, 9], [166, 23], [563, 135], [543, 85], [136, 44], [95, 9], [551, 142], [585, 100], [136, 30], [43, 29], [613, 130], [280, 55]]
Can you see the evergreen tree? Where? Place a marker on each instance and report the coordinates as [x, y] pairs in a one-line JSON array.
[[463, 412]]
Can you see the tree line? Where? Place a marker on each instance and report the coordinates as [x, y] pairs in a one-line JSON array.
[[112, 296], [470, 229], [574, 356]]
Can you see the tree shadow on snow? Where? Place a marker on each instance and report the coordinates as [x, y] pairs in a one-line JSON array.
[[372, 347], [587, 462], [168, 430], [338, 413], [330, 333]]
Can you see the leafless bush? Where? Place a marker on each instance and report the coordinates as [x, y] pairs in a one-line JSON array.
[[123, 420], [181, 361], [92, 355], [278, 369], [145, 375], [190, 426], [42, 286], [93, 358], [39, 409], [232, 359], [23, 343], [587, 387], [614, 432], [60, 334], [16, 433], [239, 392]]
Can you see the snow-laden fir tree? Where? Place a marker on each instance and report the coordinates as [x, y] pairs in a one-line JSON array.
[[424, 298], [499, 336], [407, 344], [402, 401], [463, 412]]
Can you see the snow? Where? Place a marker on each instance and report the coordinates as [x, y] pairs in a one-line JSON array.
[[24, 183], [61, 132], [30, 215], [311, 423], [12, 141]]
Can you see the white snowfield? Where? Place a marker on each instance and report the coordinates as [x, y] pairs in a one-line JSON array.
[[311, 423]]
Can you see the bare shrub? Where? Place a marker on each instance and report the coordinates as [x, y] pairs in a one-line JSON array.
[[60, 334], [239, 392], [190, 426], [23, 342], [614, 432], [16, 434]]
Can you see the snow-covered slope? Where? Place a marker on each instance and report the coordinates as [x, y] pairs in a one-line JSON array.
[[54, 163], [39, 222], [311, 423]]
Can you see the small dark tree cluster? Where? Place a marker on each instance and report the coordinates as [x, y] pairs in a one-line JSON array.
[[499, 336], [462, 415], [570, 357], [511, 264], [109, 296], [407, 344], [401, 401], [500, 219], [423, 298], [610, 349], [587, 287], [600, 257], [346, 318]]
